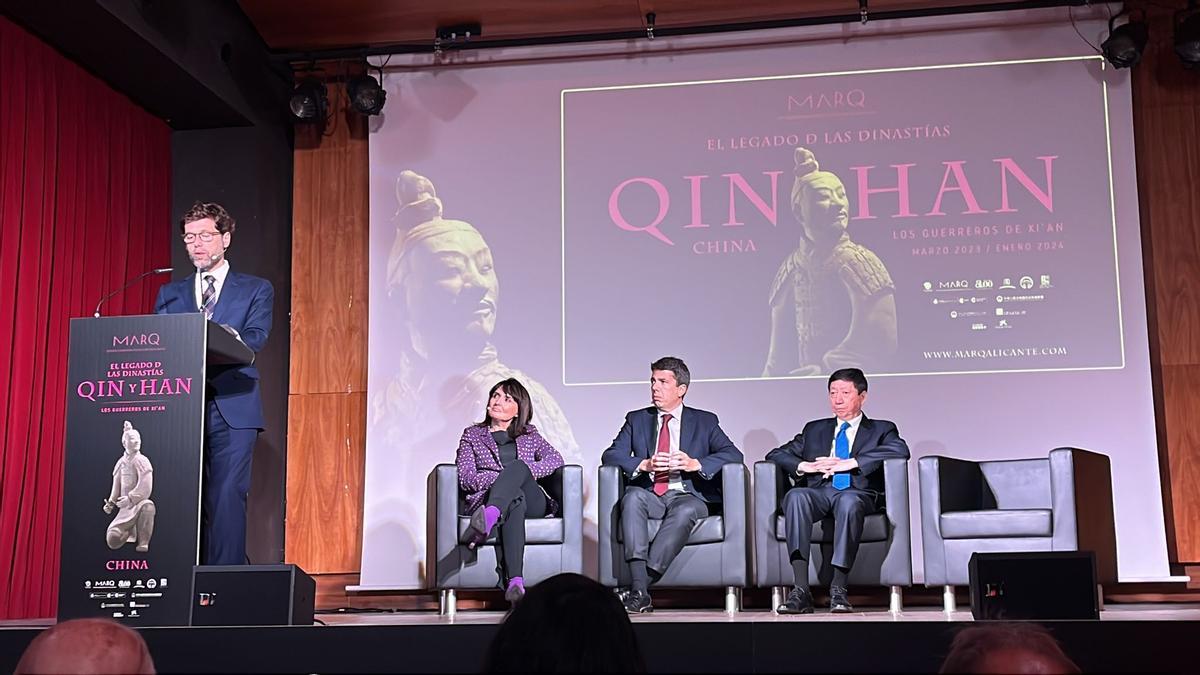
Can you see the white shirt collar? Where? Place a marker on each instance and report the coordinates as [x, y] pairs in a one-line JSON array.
[[674, 413], [854, 422], [851, 432], [218, 273]]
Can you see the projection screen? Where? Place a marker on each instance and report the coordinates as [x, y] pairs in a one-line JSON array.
[[605, 205]]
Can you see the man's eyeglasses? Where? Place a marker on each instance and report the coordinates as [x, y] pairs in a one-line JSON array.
[[202, 236]]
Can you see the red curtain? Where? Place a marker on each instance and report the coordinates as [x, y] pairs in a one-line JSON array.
[[84, 206]]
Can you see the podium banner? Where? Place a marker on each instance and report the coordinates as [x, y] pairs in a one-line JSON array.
[[134, 443]]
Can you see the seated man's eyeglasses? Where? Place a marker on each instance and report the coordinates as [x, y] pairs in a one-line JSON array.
[[203, 236]]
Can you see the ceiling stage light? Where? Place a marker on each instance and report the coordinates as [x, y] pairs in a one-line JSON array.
[[309, 101], [366, 96], [1187, 35], [1124, 46]]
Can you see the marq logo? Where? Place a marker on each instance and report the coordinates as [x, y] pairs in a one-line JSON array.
[[137, 340]]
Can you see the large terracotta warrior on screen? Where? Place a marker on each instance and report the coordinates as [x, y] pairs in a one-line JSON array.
[[132, 484], [442, 280], [832, 301]]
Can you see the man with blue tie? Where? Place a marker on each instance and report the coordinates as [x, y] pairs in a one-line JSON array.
[[233, 408], [672, 456], [835, 464]]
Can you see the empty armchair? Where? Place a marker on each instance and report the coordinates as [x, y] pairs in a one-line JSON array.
[[552, 545], [717, 553], [884, 554], [1061, 503]]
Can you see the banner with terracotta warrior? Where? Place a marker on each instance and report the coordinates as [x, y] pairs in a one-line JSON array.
[[131, 490], [836, 219]]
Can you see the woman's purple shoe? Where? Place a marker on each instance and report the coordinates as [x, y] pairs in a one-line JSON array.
[[516, 590], [482, 522]]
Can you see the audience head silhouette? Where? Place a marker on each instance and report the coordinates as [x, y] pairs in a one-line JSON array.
[[85, 647], [566, 624], [1006, 648]]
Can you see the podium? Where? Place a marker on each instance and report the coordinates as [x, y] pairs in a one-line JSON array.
[[131, 492]]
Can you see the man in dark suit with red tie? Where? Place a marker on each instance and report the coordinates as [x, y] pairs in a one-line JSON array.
[[234, 416], [836, 465], [672, 456]]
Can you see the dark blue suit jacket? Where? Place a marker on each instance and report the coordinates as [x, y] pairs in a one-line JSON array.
[[245, 304], [876, 441], [700, 436]]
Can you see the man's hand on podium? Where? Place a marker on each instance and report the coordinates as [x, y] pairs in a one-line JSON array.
[[232, 331]]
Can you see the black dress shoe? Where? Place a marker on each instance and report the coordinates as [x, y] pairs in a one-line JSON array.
[[799, 601], [838, 602], [638, 602]]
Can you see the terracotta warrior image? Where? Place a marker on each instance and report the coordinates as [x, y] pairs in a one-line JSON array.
[[442, 281], [132, 483], [832, 300], [440, 301]]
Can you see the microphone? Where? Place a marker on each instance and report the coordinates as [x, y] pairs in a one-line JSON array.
[[212, 258], [143, 275]]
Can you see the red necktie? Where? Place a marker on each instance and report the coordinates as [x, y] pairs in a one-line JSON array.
[[662, 478]]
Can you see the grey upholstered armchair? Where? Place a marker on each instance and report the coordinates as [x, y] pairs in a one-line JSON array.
[[552, 545], [716, 554], [1061, 503], [884, 554]]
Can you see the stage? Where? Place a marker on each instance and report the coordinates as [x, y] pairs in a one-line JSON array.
[[1129, 637]]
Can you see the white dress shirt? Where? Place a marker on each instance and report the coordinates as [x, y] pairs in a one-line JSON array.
[[851, 433]]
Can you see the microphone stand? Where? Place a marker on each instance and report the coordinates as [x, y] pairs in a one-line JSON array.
[[143, 275]]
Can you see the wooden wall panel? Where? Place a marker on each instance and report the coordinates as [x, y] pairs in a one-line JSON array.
[[1167, 134], [1181, 398], [1168, 112], [325, 481], [329, 256], [327, 402]]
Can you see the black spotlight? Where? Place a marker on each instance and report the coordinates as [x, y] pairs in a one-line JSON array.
[[1187, 35], [1125, 43], [309, 101], [366, 96]]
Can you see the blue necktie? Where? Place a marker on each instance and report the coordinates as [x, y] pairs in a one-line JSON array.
[[841, 448]]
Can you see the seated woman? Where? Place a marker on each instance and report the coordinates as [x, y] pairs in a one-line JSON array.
[[499, 462]]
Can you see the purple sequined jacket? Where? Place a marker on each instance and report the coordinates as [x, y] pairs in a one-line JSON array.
[[478, 462]]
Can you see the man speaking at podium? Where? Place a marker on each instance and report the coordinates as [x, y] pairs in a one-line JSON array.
[[233, 415]]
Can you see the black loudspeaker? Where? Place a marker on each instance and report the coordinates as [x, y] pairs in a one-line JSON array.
[[1037, 586], [252, 595]]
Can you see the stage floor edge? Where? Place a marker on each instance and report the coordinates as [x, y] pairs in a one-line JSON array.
[[1141, 638]]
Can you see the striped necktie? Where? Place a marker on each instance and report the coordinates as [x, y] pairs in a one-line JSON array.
[[208, 301]]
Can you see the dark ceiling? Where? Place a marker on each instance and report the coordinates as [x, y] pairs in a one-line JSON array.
[[214, 64], [315, 25]]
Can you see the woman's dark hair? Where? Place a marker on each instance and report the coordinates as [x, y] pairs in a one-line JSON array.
[[566, 624], [517, 391]]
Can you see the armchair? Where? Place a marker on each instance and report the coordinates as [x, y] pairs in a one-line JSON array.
[[884, 554], [552, 545], [1060, 503], [717, 552]]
